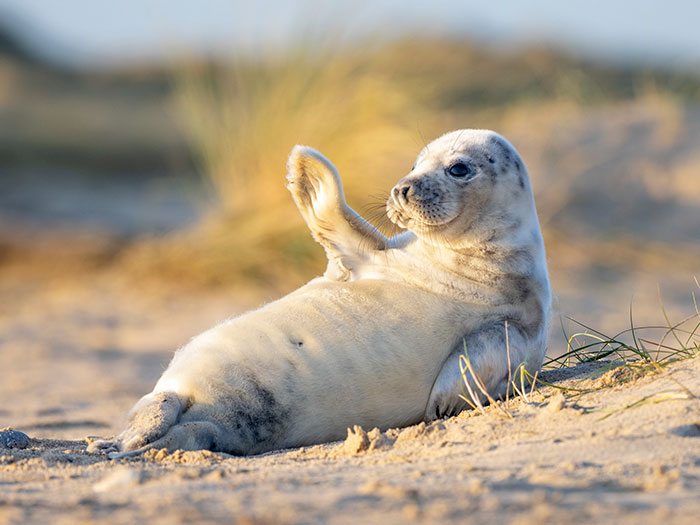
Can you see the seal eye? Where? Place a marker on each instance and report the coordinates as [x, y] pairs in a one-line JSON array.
[[459, 170]]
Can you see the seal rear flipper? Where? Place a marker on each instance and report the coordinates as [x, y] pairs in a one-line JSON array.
[[192, 435], [150, 419]]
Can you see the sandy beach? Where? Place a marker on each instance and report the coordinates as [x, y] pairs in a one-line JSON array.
[[75, 355]]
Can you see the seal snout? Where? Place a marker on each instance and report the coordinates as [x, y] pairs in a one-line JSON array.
[[403, 192]]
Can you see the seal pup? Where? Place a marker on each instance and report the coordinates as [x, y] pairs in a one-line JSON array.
[[376, 341]]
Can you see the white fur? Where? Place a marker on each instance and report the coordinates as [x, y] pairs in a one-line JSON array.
[[376, 341]]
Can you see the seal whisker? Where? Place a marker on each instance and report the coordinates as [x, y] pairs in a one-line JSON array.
[[454, 144]]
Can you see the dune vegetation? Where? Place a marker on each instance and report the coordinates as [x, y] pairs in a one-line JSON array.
[[370, 109]]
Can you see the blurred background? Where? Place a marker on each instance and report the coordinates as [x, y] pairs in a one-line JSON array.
[[143, 148]]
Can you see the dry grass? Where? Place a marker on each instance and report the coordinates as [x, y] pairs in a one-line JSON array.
[[242, 121], [643, 348], [370, 110], [629, 355]]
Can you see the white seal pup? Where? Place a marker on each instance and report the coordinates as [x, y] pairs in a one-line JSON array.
[[376, 341]]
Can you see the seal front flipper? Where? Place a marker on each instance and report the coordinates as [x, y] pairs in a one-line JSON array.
[[317, 190], [488, 354]]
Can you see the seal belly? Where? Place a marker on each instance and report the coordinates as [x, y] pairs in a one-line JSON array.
[[331, 355]]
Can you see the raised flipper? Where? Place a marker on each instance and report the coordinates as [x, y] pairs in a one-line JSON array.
[[318, 193]]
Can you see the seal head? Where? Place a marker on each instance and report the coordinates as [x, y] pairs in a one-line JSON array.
[[466, 185]]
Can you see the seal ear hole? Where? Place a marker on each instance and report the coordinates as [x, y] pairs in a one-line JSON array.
[[491, 159]]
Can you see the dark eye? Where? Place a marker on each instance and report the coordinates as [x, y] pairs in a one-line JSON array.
[[459, 170]]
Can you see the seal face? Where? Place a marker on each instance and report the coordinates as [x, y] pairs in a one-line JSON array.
[[377, 340]]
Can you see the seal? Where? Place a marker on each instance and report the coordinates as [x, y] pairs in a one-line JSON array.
[[377, 340]]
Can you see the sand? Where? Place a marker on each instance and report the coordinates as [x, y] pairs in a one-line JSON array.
[[553, 460], [75, 355]]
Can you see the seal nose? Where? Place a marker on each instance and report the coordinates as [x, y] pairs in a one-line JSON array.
[[403, 192]]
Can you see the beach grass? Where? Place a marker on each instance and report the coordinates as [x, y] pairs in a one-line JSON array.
[[370, 109]]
